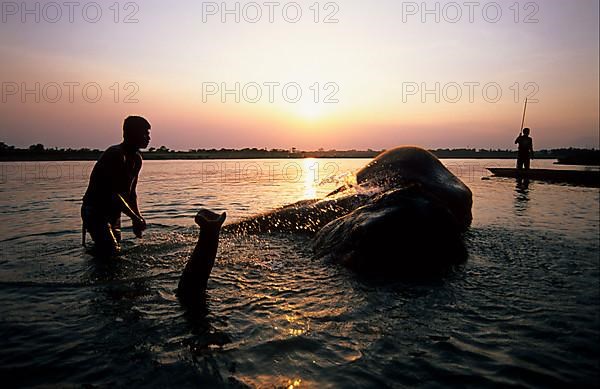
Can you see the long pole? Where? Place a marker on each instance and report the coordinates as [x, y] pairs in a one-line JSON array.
[[523, 121]]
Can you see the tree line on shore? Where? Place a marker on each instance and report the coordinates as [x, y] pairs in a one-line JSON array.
[[38, 152]]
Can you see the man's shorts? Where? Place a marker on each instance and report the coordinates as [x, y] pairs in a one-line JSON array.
[[104, 228]]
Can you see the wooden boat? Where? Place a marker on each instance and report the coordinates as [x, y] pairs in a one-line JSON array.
[[575, 177]]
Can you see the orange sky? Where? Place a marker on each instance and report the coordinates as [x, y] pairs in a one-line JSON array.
[[374, 63]]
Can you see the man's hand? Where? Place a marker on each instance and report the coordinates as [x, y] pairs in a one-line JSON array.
[[139, 225]]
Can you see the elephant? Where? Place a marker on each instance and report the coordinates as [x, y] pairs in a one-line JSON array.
[[405, 215]]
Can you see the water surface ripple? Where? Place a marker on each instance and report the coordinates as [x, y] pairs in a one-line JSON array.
[[522, 311]]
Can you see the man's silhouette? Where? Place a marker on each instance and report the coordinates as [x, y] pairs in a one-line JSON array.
[[525, 152], [112, 189]]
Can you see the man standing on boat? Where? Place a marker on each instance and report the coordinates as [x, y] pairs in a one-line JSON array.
[[525, 153], [112, 189]]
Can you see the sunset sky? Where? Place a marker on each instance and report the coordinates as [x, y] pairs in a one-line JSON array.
[[375, 60]]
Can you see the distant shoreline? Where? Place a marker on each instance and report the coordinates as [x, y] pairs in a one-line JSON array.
[[37, 153], [75, 158], [174, 156]]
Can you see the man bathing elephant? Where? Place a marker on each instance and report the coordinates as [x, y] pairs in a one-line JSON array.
[[405, 215]]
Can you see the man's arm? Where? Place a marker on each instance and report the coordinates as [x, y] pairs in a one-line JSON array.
[[128, 209], [133, 197], [140, 225]]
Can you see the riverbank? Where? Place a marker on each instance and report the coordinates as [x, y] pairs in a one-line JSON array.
[[39, 153]]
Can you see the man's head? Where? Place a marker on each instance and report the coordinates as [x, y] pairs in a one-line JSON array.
[[136, 132], [526, 131]]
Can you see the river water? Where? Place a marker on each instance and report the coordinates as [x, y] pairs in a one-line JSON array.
[[523, 310]]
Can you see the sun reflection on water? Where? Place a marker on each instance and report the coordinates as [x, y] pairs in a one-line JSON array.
[[298, 326], [310, 173]]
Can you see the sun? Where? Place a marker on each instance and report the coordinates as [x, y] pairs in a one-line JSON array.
[[309, 110]]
